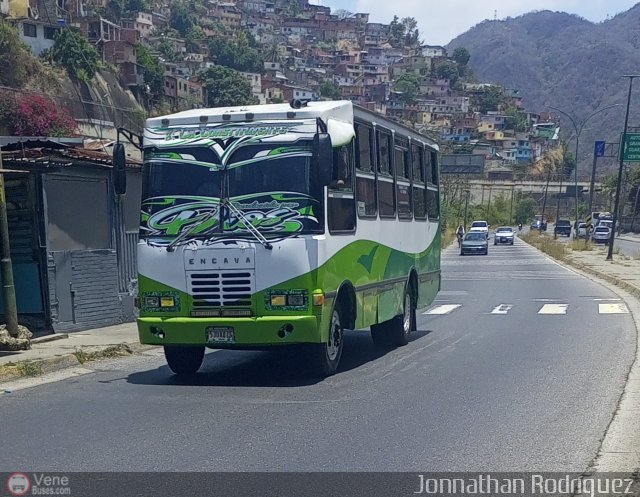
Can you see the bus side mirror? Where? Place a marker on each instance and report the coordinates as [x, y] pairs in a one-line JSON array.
[[119, 169], [323, 156]]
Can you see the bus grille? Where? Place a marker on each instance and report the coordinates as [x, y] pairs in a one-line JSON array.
[[221, 288]]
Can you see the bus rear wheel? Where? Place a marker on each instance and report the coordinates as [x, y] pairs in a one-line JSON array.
[[184, 361], [324, 358], [395, 332]]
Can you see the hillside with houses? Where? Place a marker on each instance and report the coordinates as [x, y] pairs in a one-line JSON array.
[[172, 56]]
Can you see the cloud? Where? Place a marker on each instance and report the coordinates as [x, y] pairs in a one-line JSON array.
[[440, 22]]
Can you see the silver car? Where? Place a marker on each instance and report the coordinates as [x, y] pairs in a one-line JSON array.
[[601, 234], [474, 242], [504, 234]]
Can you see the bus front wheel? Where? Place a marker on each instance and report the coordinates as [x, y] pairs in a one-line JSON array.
[[325, 357], [184, 361]]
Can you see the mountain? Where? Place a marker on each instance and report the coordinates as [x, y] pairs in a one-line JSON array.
[[561, 60]]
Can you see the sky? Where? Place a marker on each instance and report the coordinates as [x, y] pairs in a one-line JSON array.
[[440, 21]]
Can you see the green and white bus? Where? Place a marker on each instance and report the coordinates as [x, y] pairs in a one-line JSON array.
[[281, 225]]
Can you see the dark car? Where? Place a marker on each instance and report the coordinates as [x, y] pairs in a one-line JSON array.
[[474, 242], [563, 227], [539, 223]]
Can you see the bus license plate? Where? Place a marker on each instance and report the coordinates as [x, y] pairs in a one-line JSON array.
[[220, 335]]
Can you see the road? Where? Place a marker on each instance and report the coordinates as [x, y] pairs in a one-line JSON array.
[[518, 365]]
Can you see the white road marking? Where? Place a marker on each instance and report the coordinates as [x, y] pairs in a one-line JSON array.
[[53, 377], [442, 309], [502, 309], [616, 308], [553, 309], [607, 300]]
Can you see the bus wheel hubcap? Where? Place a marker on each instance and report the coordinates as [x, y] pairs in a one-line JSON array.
[[335, 337], [406, 319]]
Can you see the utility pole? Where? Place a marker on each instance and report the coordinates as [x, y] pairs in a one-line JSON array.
[[466, 207], [513, 187], [6, 268], [620, 167], [544, 201], [555, 232]]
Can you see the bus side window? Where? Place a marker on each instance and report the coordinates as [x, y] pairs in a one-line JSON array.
[[341, 204], [342, 176]]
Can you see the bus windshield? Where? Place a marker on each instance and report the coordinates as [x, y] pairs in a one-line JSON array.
[[270, 184]]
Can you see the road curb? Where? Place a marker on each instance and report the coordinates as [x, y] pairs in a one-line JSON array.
[[38, 367]]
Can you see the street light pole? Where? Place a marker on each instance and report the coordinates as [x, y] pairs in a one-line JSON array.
[[620, 167], [578, 130]]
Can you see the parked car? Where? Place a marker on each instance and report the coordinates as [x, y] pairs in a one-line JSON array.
[[539, 223], [562, 227], [581, 231], [504, 234], [606, 222], [601, 234], [481, 227], [474, 242]]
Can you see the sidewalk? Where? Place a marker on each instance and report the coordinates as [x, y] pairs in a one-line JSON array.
[[59, 351]]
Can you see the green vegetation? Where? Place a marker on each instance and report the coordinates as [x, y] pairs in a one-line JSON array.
[[29, 368], [408, 85], [404, 32], [73, 51], [330, 90], [15, 55], [153, 72], [226, 87], [551, 247], [236, 53]]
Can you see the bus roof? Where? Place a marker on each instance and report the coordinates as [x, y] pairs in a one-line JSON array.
[[341, 110]]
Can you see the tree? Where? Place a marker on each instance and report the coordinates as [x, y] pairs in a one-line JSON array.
[[515, 120], [408, 85], [489, 98], [194, 38], [396, 33], [461, 56], [35, 115], [226, 87], [153, 71], [525, 209], [15, 55], [73, 51], [236, 53], [133, 6], [181, 18], [411, 32], [447, 70], [330, 90]]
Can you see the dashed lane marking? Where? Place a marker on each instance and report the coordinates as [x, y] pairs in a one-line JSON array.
[[553, 309], [615, 308], [442, 309]]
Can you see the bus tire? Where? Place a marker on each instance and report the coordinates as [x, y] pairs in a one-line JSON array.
[[184, 361], [324, 358], [395, 332]]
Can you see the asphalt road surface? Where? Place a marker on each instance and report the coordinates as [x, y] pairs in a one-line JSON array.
[[518, 365]]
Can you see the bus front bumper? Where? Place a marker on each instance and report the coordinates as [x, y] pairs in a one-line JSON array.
[[229, 332]]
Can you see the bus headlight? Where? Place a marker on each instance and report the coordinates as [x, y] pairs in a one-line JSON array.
[[278, 300], [296, 300], [151, 302], [167, 302]]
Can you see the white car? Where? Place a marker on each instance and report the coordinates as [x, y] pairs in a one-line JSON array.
[[480, 226], [504, 234]]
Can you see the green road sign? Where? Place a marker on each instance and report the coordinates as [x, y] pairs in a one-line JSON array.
[[631, 147]]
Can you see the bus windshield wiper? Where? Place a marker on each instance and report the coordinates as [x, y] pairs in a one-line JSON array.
[[172, 246], [250, 227]]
